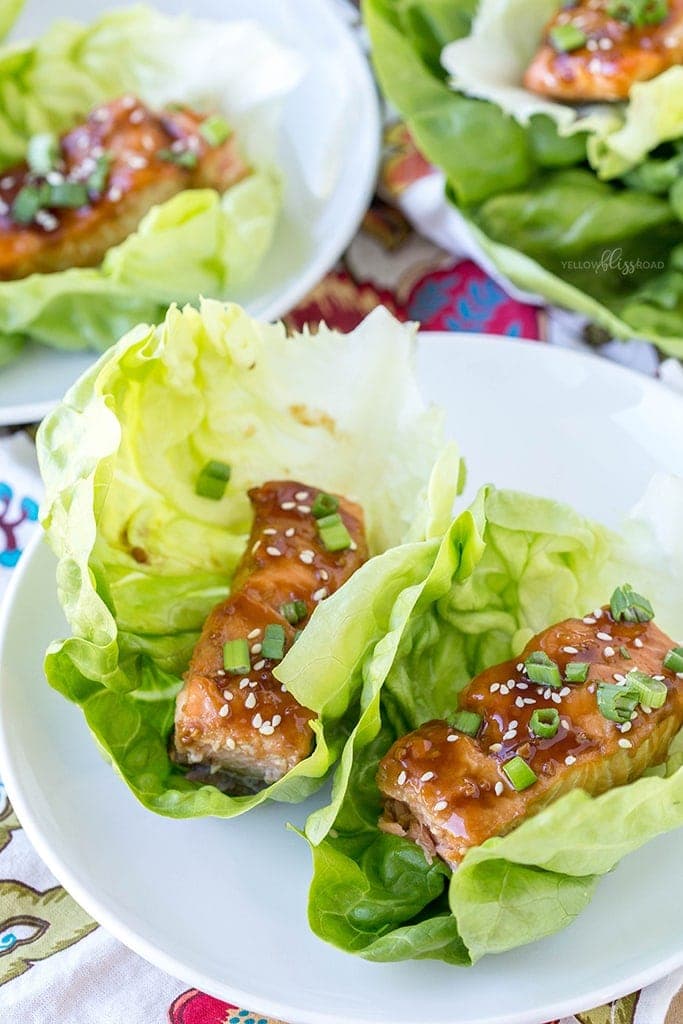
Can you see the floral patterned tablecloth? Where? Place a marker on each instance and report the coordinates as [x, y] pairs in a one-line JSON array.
[[57, 966]]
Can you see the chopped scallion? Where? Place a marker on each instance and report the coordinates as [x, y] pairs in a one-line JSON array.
[[651, 692], [42, 154], [72, 194], [576, 671], [617, 703], [545, 722], [624, 652], [97, 179], [215, 130], [541, 669], [236, 657], [213, 480], [294, 611], [674, 659], [333, 532], [183, 158], [638, 13], [628, 606], [324, 505], [27, 202], [273, 645], [519, 773], [566, 38], [468, 722]]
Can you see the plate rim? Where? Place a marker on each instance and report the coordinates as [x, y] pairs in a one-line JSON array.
[[325, 255], [169, 963]]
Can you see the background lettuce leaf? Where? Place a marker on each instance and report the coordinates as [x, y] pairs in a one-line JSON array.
[[196, 242], [143, 559], [519, 564]]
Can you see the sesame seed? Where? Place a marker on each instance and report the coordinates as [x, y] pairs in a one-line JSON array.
[[511, 683], [637, 642], [564, 723], [220, 672], [56, 178], [441, 805], [287, 506], [114, 194], [603, 636], [570, 759], [284, 688], [276, 719], [608, 652], [519, 702], [513, 724], [570, 650], [259, 665], [522, 686], [679, 675], [494, 687], [301, 495], [275, 552], [605, 43], [136, 162], [244, 683], [452, 738], [495, 747], [597, 613], [7, 182], [320, 594], [589, 620], [255, 547], [504, 690], [547, 694], [510, 734], [128, 102], [660, 679], [426, 776], [136, 116], [353, 546], [230, 743], [565, 691], [269, 532], [634, 716], [306, 556], [4, 208], [254, 633], [256, 648], [147, 143], [250, 702], [591, 687], [520, 666], [626, 727], [228, 695], [266, 729], [555, 698], [592, 44], [529, 700], [46, 220], [224, 711], [401, 780], [499, 789], [619, 677], [290, 531], [646, 708], [303, 508], [257, 721], [324, 575], [625, 743], [253, 684]]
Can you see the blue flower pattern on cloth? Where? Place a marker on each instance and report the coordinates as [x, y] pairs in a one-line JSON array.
[[244, 1017], [11, 519]]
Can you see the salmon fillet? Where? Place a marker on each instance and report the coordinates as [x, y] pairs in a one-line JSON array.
[[141, 150], [448, 792], [613, 57], [244, 729]]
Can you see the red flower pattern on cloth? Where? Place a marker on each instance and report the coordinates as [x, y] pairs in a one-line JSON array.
[[342, 303], [194, 1007]]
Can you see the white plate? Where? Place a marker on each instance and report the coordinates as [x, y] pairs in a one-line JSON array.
[[312, 232], [222, 905]]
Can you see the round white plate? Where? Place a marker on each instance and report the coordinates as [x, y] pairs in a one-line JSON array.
[[330, 120], [222, 905]]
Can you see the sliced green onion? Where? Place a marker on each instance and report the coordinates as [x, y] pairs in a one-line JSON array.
[[27, 202], [273, 645], [183, 158], [639, 13], [333, 532], [215, 130], [545, 722], [628, 606], [213, 480], [616, 702], [651, 692], [519, 773], [324, 505], [624, 652], [97, 179], [674, 659], [236, 657], [566, 38], [543, 670], [468, 722], [294, 611], [217, 469], [576, 671], [43, 152], [70, 194]]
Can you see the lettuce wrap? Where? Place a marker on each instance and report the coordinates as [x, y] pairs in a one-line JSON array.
[[581, 206], [142, 559], [198, 242], [506, 568]]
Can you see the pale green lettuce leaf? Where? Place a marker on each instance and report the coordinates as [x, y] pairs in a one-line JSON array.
[[143, 559]]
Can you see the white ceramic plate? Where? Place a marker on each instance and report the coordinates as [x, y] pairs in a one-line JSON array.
[[222, 905], [331, 119]]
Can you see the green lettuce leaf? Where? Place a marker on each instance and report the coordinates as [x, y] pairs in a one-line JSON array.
[[529, 192], [508, 567], [143, 559], [198, 242]]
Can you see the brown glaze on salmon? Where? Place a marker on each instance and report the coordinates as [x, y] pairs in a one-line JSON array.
[[614, 57], [247, 726], [135, 141], [448, 792]]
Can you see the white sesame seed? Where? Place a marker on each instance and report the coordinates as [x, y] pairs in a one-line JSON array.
[[570, 759], [401, 780], [597, 613], [136, 116], [564, 723], [529, 700], [522, 686], [519, 702], [555, 698], [256, 648], [504, 690], [290, 531], [619, 677], [626, 727], [147, 143], [591, 687], [660, 679], [287, 506], [499, 788], [510, 734], [276, 719], [56, 177], [637, 642], [136, 162], [603, 636], [570, 650], [284, 688], [589, 620], [608, 652], [47, 221], [303, 508], [592, 44], [426, 776], [274, 552], [220, 672], [257, 721], [324, 575], [7, 182], [565, 691], [634, 715], [646, 708], [254, 633], [244, 683], [128, 102], [250, 702], [228, 695], [266, 729], [255, 547], [625, 743], [224, 711], [320, 594], [452, 738], [511, 683], [269, 532], [513, 724], [441, 805], [547, 694], [253, 684], [306, 556], [353, 546], [605, 43], [301, 495], [114, 194], [679, 675], [520, 666], [230, 743], [4, 208], [494, 687], [259, 665], [495, 747]]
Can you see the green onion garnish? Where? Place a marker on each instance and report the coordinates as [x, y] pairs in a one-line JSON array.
[[468, 722], [273, 645], [43, 152], [638, 13], [236, 657], [27, 202], [628, 606], [674, 659], [324, 505], [651, 692], [183, 158], [333, 532], [67, 193], [213, 480], [616, 702], [97, 179], [543, 670], [576, 671], [545, 722], [519, 773], [294, 611], [567, 37], [623, 651], [215, 130]]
